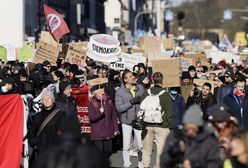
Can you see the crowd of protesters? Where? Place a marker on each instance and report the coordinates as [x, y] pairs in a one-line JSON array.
[[199, 128]]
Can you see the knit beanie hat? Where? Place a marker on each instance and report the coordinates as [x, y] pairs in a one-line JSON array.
[[222, 63], [46, 92], [185, 75], [192, 68], [193, 116]]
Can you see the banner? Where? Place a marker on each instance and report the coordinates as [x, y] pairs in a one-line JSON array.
[[11, 52], [46, 52], [80, 95], [56, 23], [127, 61], [219, 55], [170, 70], [76, 56], [11, 128], [104, 48]]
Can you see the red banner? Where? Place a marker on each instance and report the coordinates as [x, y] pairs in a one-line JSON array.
[[56, 23], [80, 95], [11, 130]]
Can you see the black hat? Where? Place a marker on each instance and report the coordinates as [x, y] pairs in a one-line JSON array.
[[45, 63], [230, 74], [191, 67], [185, 75], [63, 85], [22, 72], [141, 65], [9, 80], [141, 78], [73, 68], [59, 74], [219, 112]]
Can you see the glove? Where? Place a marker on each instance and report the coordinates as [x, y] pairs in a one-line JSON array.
[[135, 100]]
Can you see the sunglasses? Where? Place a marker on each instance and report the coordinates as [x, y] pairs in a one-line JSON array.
[[227, 76]]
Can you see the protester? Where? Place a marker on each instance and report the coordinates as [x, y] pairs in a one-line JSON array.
[[127, 101], [186, 85], [237, 102], [103, 118], [156, 131], [204, 98], [197, 148]]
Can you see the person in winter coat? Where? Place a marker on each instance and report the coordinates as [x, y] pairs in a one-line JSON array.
[[237, 102], [178, 104], [227, 87], [103, 120], [127, 101], [8, 86], [186, 86], [157, 132], [204, 98], [41, 139], [64, 100], [196, 147]]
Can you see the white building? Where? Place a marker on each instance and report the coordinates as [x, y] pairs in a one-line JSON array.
[[12, 22], [113, 14]]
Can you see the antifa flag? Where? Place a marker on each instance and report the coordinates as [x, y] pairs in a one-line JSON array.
[[80, 95], [56, 23], [11, 130]]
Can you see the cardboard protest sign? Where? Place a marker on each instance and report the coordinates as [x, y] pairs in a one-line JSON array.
[[48, 38], [168, 44], [47, 52], [3, 53], [170, 70], [127, 61], [152, 45], [76, 56], [97, 81], [185, 63], [196, 57], [200, 82], [25, 53]]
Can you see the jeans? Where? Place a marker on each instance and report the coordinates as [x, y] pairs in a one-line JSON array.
[[127, 134]]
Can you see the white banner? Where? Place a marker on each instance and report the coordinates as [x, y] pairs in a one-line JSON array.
[[128, 61], [219, 55]]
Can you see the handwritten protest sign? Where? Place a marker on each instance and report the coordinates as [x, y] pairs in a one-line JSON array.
[[200, 82], [48, 38], [47, 52], [76, 56], [185, 63], [196, 57], [127, 61], [170, 70], [97, 81], [219, 55]]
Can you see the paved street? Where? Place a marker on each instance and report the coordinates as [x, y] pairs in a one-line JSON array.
[[117, 161]]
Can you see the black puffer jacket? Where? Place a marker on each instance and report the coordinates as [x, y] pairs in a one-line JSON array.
[[66, 104]]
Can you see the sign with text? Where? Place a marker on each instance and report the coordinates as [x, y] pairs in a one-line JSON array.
[[128, 61], [47, 52], [170, 70], [196, 57], [76, 56]]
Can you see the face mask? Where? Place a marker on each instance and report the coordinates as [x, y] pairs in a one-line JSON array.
[[4, 89], [173, 92]]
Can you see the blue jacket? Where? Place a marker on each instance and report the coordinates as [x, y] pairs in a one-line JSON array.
[[178, 109], [238, 109], [223, 91]]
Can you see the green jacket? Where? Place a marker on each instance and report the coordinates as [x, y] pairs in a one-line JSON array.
[[166, 104]]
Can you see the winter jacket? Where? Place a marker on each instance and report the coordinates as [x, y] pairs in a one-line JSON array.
[[223, 91], [66, 103], [166, 104], [204, 103], [48, 136], [123, 105], [178, 104], [202, 151], [238, 109], [103, 125]]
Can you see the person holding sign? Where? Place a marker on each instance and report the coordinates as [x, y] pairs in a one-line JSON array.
[[103, 119]]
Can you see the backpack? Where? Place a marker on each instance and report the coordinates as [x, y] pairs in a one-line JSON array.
[[151, 109]]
